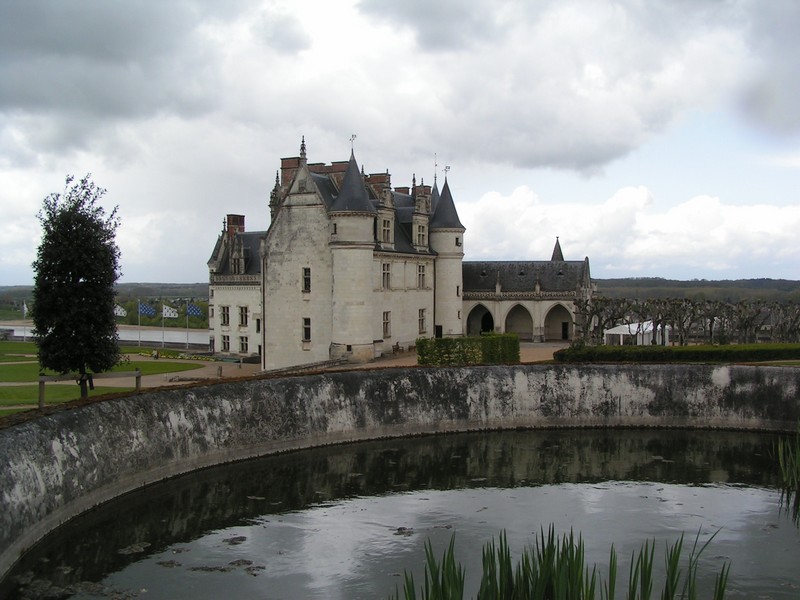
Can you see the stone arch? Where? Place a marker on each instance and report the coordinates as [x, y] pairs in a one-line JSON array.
[[558, 323], [520, 321], [480, 319]]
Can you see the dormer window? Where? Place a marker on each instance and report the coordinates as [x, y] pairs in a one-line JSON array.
[[386, 231]]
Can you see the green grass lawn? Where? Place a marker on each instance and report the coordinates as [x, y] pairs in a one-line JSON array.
[[27, 375], [7, 347], [14, 395], [29, 372]]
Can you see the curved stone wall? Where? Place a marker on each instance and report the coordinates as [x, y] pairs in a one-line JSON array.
[[60, 465]]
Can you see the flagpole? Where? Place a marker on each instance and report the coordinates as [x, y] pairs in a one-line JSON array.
[[187, 325], [162, 324], [139, 327]]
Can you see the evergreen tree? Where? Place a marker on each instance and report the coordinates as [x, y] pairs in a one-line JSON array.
[[76, 266]]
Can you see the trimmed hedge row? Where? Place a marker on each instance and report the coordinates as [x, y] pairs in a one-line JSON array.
[[492, 349], [666, 354]]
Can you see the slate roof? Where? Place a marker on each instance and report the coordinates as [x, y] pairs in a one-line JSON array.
[[251, 242], [353, 197], [521, 276], [445, 215]]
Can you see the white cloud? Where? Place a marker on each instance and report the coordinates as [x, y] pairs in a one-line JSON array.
[[631, 232], [186, 109]]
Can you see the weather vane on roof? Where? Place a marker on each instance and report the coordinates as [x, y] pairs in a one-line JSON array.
[[352, 139], [446, 170]]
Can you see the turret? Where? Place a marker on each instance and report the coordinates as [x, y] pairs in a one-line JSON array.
[[352, 243], [447, 240]]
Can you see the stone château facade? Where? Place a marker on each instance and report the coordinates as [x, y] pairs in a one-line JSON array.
[[353, 268]]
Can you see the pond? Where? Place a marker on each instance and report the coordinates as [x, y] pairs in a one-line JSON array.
[[346, 521]]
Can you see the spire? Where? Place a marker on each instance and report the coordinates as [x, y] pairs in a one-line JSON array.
[[353, 195], [445, 215], [303, 150], [557, 254], [434, 195]]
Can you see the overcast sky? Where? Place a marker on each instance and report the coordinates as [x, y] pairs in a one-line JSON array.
[[657, 137]]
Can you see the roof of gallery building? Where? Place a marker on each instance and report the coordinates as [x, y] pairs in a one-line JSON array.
[[554, 275]]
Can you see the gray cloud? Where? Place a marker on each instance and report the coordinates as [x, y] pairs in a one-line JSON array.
[[773, 95], [441, 25], [282, 32], [73, 69]]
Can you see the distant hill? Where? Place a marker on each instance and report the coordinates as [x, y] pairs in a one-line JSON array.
[[730, 290]]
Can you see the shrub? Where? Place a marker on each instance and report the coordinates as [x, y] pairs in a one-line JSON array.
[[490, 349], [665, 354]]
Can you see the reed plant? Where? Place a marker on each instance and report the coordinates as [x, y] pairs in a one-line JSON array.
[[554, 568], [789, 462]]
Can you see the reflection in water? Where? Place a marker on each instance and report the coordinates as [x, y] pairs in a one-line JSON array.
[[343, 521]]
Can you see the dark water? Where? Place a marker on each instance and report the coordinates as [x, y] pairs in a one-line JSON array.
[[345, 521]]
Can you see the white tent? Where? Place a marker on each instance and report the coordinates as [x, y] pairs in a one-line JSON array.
[[635, 334]]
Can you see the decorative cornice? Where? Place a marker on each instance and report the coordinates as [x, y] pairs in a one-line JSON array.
[[520, 295], [235, 279]]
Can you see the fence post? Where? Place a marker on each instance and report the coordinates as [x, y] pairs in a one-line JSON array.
[[138, 380], [41, 392]]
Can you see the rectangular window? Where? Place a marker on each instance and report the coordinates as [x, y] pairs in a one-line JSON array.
[[422, 320], [458, 291], [458, 241], [420, 235], [386, 231], [306, 329], [420, 276], [258, 325], [243, 344], [243, 316], [226, 343], [225, 315], [386, 276], [306, 279], [387, 324]]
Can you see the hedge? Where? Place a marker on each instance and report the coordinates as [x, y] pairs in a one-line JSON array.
[[491, 349], [665, 354]]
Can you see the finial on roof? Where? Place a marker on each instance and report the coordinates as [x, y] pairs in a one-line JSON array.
[[413, 181], [435, 167], [352, 140], [303, 147], [277, 178], [446, 171]]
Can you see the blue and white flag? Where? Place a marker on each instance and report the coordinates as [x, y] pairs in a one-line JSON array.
[[192, 310], [119, 311], [146, 310], [168, 312]]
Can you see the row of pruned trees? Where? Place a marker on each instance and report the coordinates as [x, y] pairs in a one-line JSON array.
[[707, 321]]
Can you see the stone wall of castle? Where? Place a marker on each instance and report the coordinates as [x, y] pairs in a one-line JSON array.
[[60, 465]]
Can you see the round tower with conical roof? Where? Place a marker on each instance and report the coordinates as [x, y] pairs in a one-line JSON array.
[[352, 242], [447, 240]]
